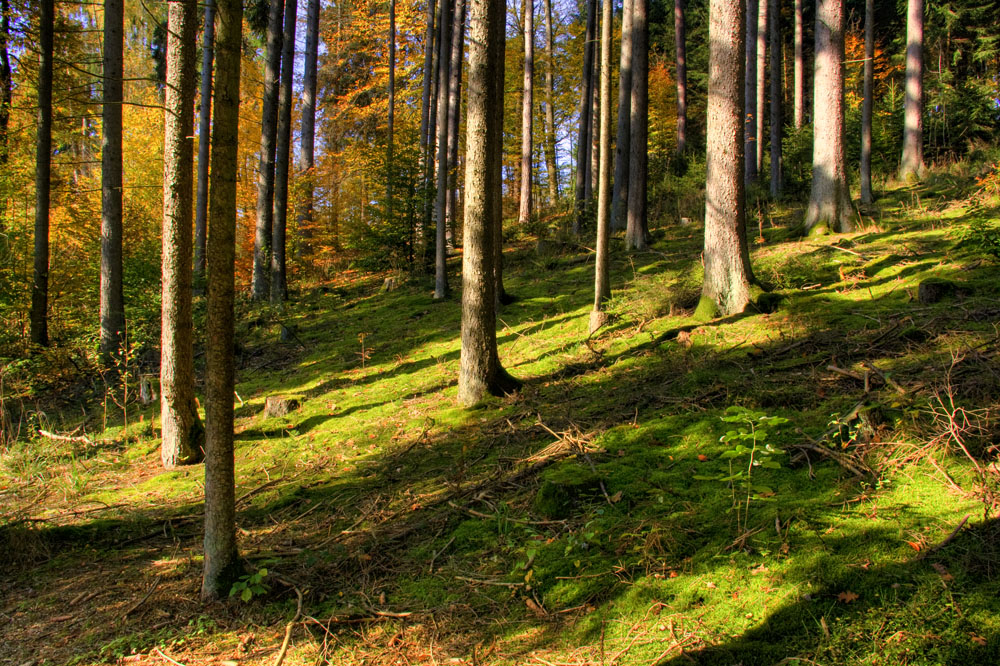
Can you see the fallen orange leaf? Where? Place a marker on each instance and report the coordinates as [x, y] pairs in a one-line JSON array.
[[847, 597]]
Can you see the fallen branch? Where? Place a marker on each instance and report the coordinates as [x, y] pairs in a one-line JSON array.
[[886, 378], [76, 439], [947, 540], [136, 605], [288, 630]]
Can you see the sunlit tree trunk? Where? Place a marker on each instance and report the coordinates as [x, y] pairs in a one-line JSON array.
[[527, 104], [428, 258], [308, 111], [550, 117], [680, 49], [619, 193], [282, 158], [637, 232], [204, 144], [777, 99], [750, 91], [760, 89], [43, 174], [867, 104], [586, 115], [454, 116], [595, 135], [602, 282], [112, 298], [183, 435], [912, 162], [800, 70], [221, 565], [444, 64]]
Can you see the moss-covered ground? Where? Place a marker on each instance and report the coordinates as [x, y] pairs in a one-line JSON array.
[[602, 515]]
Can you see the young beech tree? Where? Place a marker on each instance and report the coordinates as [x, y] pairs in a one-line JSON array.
[[830, 207], [480, 372], [221, 566], [182, 430], [726, 289], [912, 162], [43, 178], [282, 150], [602, 284], [112, 299]]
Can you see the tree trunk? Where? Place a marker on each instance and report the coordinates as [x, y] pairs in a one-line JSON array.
[[418, 230], [527, 102], [430, 166], [602, 282], [43, 175], [750, 92], [390, 115], [726, 289], [867, 104], [5, 102], [454, 116], [221, 565], [480, 371], [183, 435], [777, 99], [800, 71], [279, 275], [204, 143], [637, 231], [681, 58], [260, 287], [912, 162], [112, 297], [444, 65], [619, 193], [830, 207], [586, 96], [550, 117], [762, 18], [308, 111]]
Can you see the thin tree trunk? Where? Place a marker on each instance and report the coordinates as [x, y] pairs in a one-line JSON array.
[[418, 231], [183, 435], [263, 231], [912, 162], [830, 207], [800, 70], [308, 111], [762, 19], [5, 101], [680, 35], [454, 116], [204, 143], [602, 282], [595, 122], [282, 158], [444, 64], [390, 116], [112, 298], [550, 117], [777, 99], [750, 88], [221, 565], [480, 372], [637, 232], [527, 104], [43, 175], [726, 287], [619, 193], [430, 167], [583, 141], [867, 104]]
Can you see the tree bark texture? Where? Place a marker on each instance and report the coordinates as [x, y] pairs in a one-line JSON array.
[[183, 435], [221, 565], [777, 99], [583, 143], [6, 92], [602, 282], [441, 203], [912, 162], [204, 143], [619, 193], [726, 289], [551, 167], [418, 229], [762, 19], [112, 298], [268, 134], [480, 372], [282, 158], [43, 178], [830, 207], [430, 168], [308, 111], [680, 50], [527, 104], [800, 70], [454, 117], [637, 231], [750, 91], [867, 104]]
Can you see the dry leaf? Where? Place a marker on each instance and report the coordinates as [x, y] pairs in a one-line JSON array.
[[617, 497], [978, 640], [914, 545], [702, 457], [847, 597], [710, 585]]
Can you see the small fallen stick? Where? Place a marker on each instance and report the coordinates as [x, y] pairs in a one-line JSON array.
[[76, 439], [136, 605], [948, 539], [288, 630], [886, 378]]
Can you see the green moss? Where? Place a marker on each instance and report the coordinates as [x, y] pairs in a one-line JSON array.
[[706, 310]]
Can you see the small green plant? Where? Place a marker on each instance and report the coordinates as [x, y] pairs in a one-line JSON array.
[[982, 237], [250, 585]]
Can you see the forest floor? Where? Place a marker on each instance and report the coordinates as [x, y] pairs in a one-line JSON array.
[[602, 515]]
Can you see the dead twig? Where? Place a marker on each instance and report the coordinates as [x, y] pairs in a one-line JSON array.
[[76, 439], [136, 605], [884, 377], [947, 540], [288, 630]]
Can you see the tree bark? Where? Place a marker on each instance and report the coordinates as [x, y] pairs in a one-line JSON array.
[[43, 176], [762, 19], [551, 167], [308, 111], [800, 70], [204, 143], [602, 282], [595, 122], [777, 99], [527, 104], [221, 565], [619, 193], [750, 91], [444, 65], [260, 287], [480, 371], [912, 162], [5, 103], [454, 116], [867, 104], [637, 231], [183, 435], [112, 298], [726, 289], [830, 207], [586, 115], [680, 49], [279, 275]]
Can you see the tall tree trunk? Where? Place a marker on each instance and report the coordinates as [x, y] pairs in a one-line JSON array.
[[454, 116], [726, 289], [761, 82], [221, 565], [586, 115], [527, 103], [112, 297], [5, 100], [595, 122], [282, 158], [619, 192], [550, 116], [681, 57], [260, 287], [43, 174], [430, 168], [308, 111], [602, 282], [830, 207], [480, 372], [204, 143], [867, 104], [777, 99], [390, 116], [912, 162], [637, 231], [800, 69], [750, 92], [418, 231], [444, 64], [183, 435]]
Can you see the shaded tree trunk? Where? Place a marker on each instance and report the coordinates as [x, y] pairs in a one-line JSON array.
[[221, 566], [680, 49], [260, 287], [112, 298], [183, 435], [800, 70], [777, 99], [444, 64], [282, 158], [43, 176], [454, 116], [429, 229], [867, 104], [830, 207], [912, 162], [480, 372], [5, 101], [204, 143], [390, 115], [602, 282], [308, 111], [726, 289], [586, 115], [550, 117], [750, 91], [637, 231], [417, 231], [527, 103], [761, 49], [619, 193]]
